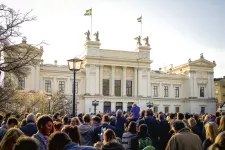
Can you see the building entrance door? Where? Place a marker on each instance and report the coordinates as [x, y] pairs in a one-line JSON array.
[[129, 106], [107, 107], [119, 105]]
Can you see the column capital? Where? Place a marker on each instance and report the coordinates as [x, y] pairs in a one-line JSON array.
[[113, 66], [125, 67], [210, 72]]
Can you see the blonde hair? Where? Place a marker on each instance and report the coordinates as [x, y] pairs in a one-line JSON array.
[[211, 131], [191, 122], [207, 117], [10, 138], [222, 124], [77, 120]]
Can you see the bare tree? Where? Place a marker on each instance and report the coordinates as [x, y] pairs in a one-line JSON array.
[[17, 57]]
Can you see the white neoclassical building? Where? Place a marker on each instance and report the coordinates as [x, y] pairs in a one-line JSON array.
[[117, 79]]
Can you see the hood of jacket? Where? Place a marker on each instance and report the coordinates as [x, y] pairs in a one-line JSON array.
[[84, 129]]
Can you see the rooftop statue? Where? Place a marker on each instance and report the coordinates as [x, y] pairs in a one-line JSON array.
[[138, 40], [96, 36], [146, 41], [88, 35]]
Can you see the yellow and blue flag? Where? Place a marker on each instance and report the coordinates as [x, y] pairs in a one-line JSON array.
[[139, 19], [88, 12]]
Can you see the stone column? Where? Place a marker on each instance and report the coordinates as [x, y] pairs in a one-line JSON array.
[[113, 106], [33, 74], [171, 91], [191, 84], [113, 81], [135, 82], [37, 69], [139, 81], [87, 86], [101, 79], [54, 87], [97, 78], [149, 85], [124, 81], [124, 106], [212, 85]]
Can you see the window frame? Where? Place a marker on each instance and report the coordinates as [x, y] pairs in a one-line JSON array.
[[177, 91], [129, 88], [48, 86], [21, 83], [202, 91], [105, 88], [166, 91], [117, 88], [62, 86], [155, 91]]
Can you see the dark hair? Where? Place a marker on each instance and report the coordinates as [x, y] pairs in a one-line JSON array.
[[65, 119], [56, 115], [58, 140], [99, 115], [132, 127], [180, 116], [178, 125], [23, 123], [187, 116], [217, 114], [218, 120], [143, 129], [57, 125], [97, 119], [142, 113], [196, 116], [1, 117], [73, 133], [12, 120], [149, 112], [161, 117], [105, 118], [28, 143], [8, 115], [109, 135], [87, 118], [172, 116], [42, 121]]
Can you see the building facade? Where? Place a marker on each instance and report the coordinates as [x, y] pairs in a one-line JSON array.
[[117, 79], [219, 84]]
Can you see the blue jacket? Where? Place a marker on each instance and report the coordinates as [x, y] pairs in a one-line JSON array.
[[29, 130], [73, 146], [135, 110]]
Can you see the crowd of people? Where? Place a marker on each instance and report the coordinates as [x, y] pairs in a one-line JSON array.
[[136, 130]]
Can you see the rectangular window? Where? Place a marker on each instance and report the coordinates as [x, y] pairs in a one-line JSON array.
[[166, 109], [176, 91], [166, 91], [48, 86], [201, 91], [21, 83], [155, 91], [76, 87], [155, 109], [62, 86], [117, 87], [177, 109], [105, 87], [202, 110], [129, 88]]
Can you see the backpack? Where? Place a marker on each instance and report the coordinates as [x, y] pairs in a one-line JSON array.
[[101, 135], [144, 142]]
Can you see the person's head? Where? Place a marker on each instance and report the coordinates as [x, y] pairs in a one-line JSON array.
[[27, 143], [134, 105], [57, 126], [44, 124], [217, 114], [98, 145], [10, 138], [191, 122], [180, 116], [187, 116], [38, 115], [23, 123], [222, 123], [112, 119], [143, 129], [161, 117], [99, 115], [87, 118], [109, 135], [132, 127], [172, 116], [75, 121], [142, 113], [12, 122], [56, 116], [217, 121], [31, 118], [73, 133], [58, 140], [196, 116], [219, 142], [1, 118], [119, 113], [96, 120], [207, 118], [178, 125], [65, 120], [211, 129], [106, 119], [8, 115], [149, 112]]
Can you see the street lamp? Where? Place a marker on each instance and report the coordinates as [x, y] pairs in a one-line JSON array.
[[95, 103], [149, 104], [49, 101], [74, 65]]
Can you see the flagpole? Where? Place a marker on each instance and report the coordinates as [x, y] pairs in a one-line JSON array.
[[141, 27]]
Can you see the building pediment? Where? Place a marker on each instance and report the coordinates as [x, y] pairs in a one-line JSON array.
[[202, 63]]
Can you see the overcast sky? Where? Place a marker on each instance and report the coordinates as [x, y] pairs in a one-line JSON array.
[[177, 29]]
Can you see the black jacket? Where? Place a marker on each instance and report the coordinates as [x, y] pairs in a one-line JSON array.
[[98, 130], [29, 130], [119, 126], [134, 141], [112, 146]]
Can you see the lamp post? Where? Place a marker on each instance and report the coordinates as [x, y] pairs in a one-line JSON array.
[[149, 104], [49, 102], [74, 65], [95, 104]]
